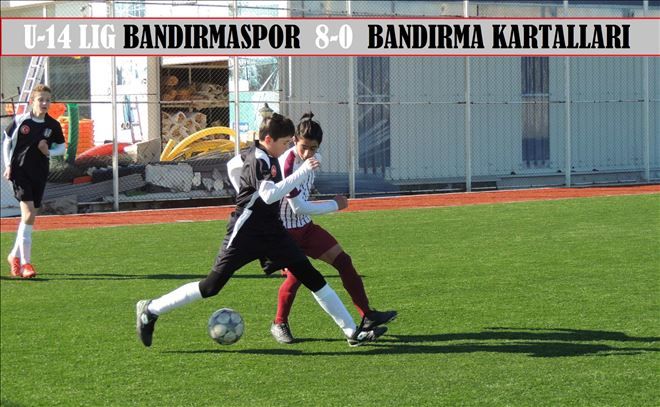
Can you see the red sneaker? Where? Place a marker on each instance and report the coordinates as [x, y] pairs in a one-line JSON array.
[[14, 266], [28, 271]]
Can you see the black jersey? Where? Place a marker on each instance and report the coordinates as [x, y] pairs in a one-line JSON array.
[[258, 166], [261, 186], [26, 133]]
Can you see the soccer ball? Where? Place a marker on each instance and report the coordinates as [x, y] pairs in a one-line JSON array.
[[226, 326]]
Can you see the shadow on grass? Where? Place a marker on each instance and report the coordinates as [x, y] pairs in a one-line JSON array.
[[113, 276], [526, 334], [534, 342], [8, 403]]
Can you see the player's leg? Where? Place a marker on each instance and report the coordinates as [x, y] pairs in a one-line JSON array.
[[321, 241], [280, 328], [324, 295], [323, 246], [14, 257], [229, 260], [283, 250], [28, 217], [287, 293], [30, 205], [352, 282], [327, 298], [23, 192]]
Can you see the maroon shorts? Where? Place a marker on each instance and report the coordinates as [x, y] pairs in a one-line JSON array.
[[313, 239]]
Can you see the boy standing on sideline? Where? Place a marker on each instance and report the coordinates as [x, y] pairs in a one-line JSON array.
[[255, 231], [29, 142]]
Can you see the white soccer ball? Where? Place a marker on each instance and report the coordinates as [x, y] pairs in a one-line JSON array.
[[226, 326]]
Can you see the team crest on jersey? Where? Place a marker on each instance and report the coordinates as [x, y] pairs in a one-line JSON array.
[[273, 171], [48, 132], [25, 129]]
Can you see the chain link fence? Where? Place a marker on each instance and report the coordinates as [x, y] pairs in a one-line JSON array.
[[392, 126]]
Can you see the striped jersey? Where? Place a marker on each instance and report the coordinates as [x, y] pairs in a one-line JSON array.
[[290, 162]]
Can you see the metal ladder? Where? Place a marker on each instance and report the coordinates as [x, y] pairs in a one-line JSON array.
[[132, 117], [34, 75]]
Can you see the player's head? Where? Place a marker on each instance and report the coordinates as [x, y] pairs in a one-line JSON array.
[[40, 99], [309, 136], [275, 133]]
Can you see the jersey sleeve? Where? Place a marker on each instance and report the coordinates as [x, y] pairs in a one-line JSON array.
[[287, 169], [58, 135], [271, 192], [6, 142], [263, 171], [299, 206], [9, 130], [234, 168]]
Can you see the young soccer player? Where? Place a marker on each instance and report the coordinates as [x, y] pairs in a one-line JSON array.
[[315, 241], [255, 231], [29, 142]]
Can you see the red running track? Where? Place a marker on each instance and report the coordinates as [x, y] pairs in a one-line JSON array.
[[106, 219]]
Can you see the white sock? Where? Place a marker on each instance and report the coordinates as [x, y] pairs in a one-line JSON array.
[[16, 251], [330, 302], [25, 244], [175, 299]]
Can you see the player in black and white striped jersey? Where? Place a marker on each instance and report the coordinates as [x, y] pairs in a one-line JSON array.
[[315, 241]]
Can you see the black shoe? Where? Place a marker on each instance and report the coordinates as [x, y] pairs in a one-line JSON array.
[[146, 322], [375, 318], [281, 332], [360, 337]]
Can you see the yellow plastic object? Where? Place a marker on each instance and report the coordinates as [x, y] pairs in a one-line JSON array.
[[201, 147], [176, 151], [168, 147]]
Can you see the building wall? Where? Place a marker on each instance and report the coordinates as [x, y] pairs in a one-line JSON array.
[[427, 114]]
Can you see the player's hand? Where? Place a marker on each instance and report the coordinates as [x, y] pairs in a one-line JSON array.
[[313, 163], [342, 202], [7, 172], [43, 147]]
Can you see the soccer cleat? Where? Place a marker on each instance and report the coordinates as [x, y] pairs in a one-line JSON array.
[[14, 266], [27, 271], [360, 337], [375, 318], [146, 322], [281, 332]]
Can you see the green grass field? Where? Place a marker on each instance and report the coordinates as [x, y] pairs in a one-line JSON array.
[[525, 304]]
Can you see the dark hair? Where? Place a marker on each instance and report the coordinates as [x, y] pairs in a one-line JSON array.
[[276, 126], [309, 129]]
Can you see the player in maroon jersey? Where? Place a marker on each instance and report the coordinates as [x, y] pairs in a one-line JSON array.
[[315, 241]]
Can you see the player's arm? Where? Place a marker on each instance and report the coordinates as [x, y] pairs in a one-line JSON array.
[[300, 206], [58, 145], [6, 149], [56, 149], [271, 192], [234, 168]]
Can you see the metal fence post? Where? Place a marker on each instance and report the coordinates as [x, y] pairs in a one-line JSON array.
[[352, 128], [237, 109], [115, 141], [468, 114], [645, 110], [567, 110]]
